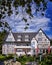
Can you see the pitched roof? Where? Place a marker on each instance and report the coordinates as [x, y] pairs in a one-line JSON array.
[[30, 34], [22, 34]]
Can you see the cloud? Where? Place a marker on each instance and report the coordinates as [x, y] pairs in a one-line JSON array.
[[36, 22]]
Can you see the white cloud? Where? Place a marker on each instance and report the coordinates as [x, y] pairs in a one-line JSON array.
[[35, 22]]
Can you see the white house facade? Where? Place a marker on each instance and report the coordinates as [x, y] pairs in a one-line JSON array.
[[26, 43]]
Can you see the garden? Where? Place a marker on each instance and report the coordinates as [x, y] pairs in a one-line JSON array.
[[46, 59]]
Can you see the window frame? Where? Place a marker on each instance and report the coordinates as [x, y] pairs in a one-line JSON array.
[[39, 39], [40, 33], [19, 38]]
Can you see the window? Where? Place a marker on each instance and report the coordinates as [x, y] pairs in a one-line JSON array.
[[9, 39], [26, 38], [40, 33], [19, 38], [19, 50], [39, 39], [33, 44], [45, 39]]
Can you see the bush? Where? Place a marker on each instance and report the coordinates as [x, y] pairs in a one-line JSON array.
[[31, 58], [46, 60], [9, 56], [2, 57], [24, 59]]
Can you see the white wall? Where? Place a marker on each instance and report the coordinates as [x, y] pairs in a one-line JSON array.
[[45, 41], [10, 37], [8, 48]]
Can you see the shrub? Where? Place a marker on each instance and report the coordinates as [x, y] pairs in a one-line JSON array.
[[2, 57], [24, 59], [9, 56]]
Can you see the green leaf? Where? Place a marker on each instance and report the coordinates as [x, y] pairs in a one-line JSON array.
[[0, 16], [25, 19], [27, 24], [0, 24]]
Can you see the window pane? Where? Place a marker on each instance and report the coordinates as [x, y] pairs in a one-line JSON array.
[[40, 34], [19, 36], [9, 39], [26, 36], [18, 39], [39, 39], [26, 39]]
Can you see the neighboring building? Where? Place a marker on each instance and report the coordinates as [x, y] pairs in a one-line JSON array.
[[25, 43]]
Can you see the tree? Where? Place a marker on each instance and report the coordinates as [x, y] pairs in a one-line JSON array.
[[51, 41], [2, 35]]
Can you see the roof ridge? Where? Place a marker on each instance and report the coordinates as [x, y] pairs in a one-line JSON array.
[[23, 32]]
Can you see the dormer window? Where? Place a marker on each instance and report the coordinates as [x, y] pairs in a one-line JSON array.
[[19, 38], [26, 38]]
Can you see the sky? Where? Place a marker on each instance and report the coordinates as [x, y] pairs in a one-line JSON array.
[[49, 15], [36, 22]]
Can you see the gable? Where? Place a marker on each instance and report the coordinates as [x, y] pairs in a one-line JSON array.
[[42, 35], [10, 37]]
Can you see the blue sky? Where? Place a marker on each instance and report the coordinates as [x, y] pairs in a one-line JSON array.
[[49, 15], [36, 22]]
